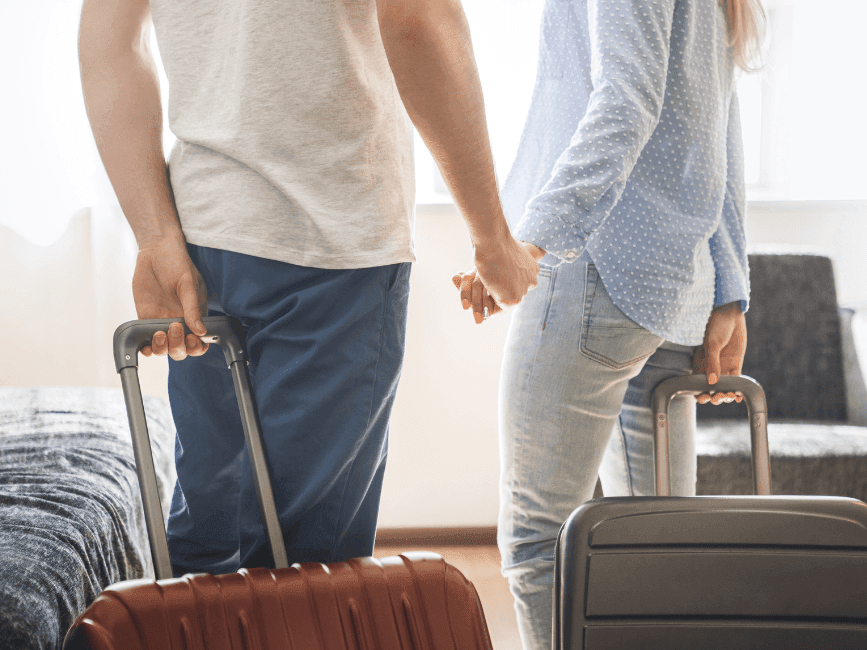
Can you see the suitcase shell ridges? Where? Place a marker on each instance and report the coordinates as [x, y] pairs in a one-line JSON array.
[[415, 601]]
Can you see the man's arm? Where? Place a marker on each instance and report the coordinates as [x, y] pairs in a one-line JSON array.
[[428, 46], [122, 96]]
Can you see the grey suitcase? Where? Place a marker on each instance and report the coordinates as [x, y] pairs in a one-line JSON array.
[[712, 572]]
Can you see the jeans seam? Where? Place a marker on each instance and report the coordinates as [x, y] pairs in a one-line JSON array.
[[520, 444], [550, 298], [629, 483]]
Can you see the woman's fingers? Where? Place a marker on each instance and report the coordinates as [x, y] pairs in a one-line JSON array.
[[491, 305], [478, 293], [474, 295], [719, 398], [466, 290]]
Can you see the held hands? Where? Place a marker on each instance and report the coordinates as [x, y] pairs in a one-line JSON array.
[[725, 343], [500, 279], [166, 284]]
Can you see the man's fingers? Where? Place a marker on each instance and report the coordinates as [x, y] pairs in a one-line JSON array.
[[189, 296], [195, 346], [491, 305], [177, 344], [159, 344]]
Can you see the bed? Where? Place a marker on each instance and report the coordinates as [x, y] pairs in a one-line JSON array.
[[71, 519]]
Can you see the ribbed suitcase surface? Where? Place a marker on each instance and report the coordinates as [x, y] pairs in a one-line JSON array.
[[414, 601]]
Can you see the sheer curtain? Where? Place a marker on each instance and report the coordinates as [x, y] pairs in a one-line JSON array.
[[66, 251]]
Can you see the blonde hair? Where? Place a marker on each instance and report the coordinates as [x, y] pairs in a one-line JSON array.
[[746, 20]]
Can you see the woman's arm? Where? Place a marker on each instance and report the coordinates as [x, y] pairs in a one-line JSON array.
[[728, 244], [629, 46], [725, 341]]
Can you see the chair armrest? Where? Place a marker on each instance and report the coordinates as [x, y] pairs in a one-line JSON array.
[[853, 331]]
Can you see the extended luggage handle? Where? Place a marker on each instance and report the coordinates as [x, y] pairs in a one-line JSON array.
[[696, 384], [228, 333]]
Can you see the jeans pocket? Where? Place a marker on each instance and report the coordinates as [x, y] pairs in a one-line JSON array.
[[546, 284], [607, 334]]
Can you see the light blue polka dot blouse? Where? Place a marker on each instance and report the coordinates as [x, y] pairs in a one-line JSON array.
[[632, 150]]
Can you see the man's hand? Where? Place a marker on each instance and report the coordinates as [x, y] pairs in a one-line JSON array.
[[507, 269], [166, 284], [476, 294], [725, 343]]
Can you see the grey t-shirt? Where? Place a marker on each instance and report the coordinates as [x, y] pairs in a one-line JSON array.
[[293, 143]]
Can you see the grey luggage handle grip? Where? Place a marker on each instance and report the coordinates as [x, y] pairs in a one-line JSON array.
[[228, 333], [696, 384], [132, 336]]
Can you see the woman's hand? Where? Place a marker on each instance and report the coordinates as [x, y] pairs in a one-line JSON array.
[[475, 295], [725, 343]]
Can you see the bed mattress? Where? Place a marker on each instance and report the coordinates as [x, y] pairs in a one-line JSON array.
[[71, 519]]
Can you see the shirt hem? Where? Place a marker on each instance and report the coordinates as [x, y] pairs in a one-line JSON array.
[[317, 260]]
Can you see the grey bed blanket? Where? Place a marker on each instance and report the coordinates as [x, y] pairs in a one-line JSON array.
[[71, 519]]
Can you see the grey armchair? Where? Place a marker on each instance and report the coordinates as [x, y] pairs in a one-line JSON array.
[[802, 349]]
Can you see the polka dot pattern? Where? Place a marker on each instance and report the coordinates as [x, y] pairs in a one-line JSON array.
[[632, 150]]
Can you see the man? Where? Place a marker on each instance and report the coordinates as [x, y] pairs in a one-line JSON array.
[[288, 204]]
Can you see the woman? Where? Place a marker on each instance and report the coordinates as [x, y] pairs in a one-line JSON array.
[[629, 175]]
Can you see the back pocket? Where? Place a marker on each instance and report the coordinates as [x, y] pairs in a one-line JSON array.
[[608, 335]]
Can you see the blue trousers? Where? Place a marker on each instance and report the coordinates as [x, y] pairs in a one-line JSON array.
[[325, 348]]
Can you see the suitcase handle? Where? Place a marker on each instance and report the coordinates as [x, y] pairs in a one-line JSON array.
[[228, 333], [696, 384]]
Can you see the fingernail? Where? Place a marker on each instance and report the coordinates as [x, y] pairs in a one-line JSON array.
[[711, 378], [200, 325], [478, 317], [465, 304]]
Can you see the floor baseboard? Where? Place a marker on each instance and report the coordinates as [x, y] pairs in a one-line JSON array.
[[442, 536]]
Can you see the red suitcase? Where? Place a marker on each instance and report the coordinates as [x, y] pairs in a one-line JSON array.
[[413, 601]]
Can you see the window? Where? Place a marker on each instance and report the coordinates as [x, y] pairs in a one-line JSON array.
[[802, 115], [505, 37], [804, 128]]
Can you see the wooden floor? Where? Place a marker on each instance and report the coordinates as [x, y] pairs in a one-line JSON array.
[[481, 565]]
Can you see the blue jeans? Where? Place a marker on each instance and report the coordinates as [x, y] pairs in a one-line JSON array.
[[325, 349], [575, 394]]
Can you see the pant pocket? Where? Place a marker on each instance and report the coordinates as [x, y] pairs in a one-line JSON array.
[[608, 335]]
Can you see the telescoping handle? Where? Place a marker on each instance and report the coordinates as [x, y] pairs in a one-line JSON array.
[[226, 332], [696, 384]]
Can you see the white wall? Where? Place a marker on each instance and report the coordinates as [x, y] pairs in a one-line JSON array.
[[443, 463], [60, 304], [837, 228]]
